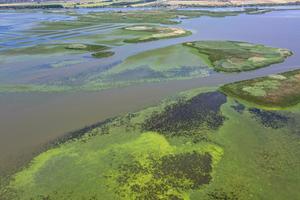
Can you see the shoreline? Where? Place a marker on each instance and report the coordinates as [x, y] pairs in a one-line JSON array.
[[46, 6]]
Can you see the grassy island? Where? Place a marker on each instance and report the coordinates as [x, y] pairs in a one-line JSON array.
[[280, 90], [232, 56], [156, 33], [48, 49]]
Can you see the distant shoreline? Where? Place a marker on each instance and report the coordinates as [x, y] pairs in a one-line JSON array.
[[58, 5]]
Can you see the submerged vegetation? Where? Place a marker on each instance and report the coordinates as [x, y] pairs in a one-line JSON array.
[[188, 60], [198, 145], [279, 90], [200, 112], [181, 61]]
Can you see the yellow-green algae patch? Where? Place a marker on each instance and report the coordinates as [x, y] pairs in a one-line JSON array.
[[121, 167]]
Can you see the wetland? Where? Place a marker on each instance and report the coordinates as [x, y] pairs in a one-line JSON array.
[[176, 104]]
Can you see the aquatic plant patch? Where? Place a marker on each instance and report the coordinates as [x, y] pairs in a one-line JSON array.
[[270, 119], [103, 54], [168, 63], [151, 174], [183, 118]]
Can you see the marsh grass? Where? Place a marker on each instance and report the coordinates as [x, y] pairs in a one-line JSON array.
[[232, 56], [271, 91]]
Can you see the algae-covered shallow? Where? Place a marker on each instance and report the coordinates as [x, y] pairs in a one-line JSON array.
[[186, 61], [142, 155], [279, 90], [172, 62], [176, 62]]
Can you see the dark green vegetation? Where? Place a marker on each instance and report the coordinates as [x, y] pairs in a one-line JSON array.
[[200, 112], [103, 54], [279, 90], [230, 56], [270, 119], [139, 16], [198, 145], [31, 6]]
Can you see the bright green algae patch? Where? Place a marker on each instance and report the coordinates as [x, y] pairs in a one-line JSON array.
[[232, 56], [246, 156], [280, 90]]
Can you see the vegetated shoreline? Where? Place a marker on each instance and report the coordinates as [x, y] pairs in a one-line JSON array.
[[170, 109], [79, 133], [18, 6]]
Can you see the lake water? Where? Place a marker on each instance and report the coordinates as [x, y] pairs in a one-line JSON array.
[[28, 121]]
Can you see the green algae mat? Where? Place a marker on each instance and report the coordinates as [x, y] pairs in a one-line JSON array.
[[200, 144]]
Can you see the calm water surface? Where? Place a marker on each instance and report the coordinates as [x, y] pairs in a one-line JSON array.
[[27, 121]]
